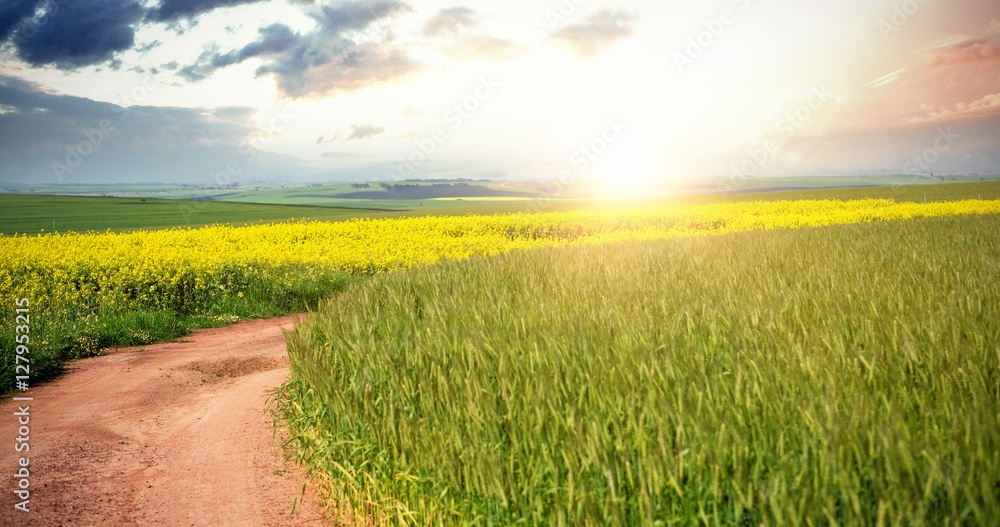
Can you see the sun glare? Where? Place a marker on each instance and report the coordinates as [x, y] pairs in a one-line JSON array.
[[628, 171]]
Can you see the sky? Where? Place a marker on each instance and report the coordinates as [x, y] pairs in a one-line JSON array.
[[211, 92]]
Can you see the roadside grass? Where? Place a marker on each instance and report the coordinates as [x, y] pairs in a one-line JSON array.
[[843, 375], [78, 331]]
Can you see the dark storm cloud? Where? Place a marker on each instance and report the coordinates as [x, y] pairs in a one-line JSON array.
[[174, 10], [273, 39], [40, 131], [356, 16], [27, 99], [73, 34], [597, 32], [69, 34], [13, 12], [331, 57]]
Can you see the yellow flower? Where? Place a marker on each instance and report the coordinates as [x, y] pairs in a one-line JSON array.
[[79, 273]]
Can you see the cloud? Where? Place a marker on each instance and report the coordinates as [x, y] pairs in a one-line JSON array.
[[598, 31], [331, 57], [328, 139], [485, 48], [70, 35], [995, 26], [274, 39], [317, 70], [148, 46], [341, 155], [30, 100], [364, 131], [986, 105], [451, 20], [175, 10], [110, 143], [886, 79], [358, 131], [968, 51], [14, 13], [357, 15], [457, 31]]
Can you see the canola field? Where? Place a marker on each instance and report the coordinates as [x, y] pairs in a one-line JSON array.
[[89, 291]]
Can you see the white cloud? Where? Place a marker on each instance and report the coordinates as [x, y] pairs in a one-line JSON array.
[[984, 106], [886, 79]]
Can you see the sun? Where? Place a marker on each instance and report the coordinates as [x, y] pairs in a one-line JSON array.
[[629, 170]]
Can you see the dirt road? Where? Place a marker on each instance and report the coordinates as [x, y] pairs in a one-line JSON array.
[[170, 434]]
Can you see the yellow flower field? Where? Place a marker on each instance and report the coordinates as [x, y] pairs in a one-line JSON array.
[[186, 268]]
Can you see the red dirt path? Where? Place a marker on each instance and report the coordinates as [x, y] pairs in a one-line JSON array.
[[169, 434]]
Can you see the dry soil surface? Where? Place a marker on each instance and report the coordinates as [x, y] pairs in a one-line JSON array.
[[169, 434]]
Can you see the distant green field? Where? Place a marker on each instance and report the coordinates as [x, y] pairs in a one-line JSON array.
[[327, 194], [30, 213], [404, 196], [20, 213], [928, 192], [414, 195], [769, 184]]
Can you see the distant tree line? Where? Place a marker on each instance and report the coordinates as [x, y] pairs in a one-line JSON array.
[[452, 180], [401, 186]]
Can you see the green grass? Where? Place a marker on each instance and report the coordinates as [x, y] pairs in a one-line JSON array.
[[764, 184], [77, 331], [847, 375], [918, 193], [20, 213]]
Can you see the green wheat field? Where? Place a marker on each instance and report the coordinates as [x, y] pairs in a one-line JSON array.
[[846, 375]]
